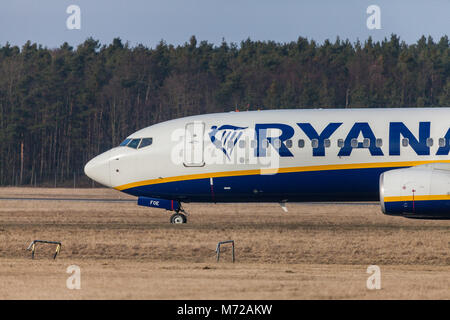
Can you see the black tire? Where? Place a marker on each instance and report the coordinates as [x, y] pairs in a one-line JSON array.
[[178, 218]]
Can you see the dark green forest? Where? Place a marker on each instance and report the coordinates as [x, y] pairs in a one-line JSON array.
[[60, 107]]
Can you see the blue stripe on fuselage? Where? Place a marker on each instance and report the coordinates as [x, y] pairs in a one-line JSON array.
[[326, 185]]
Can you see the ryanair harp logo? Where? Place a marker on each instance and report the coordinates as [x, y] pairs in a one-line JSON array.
[[225, 137]]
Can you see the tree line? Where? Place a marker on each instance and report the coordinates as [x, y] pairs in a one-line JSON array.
[[60, 107]]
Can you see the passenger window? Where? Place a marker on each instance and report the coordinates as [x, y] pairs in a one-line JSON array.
[[241, 144], [301, 143], [327, 143], [145, 142], [134, 143], [289, 143], [379, 143], [354, 143], [125, 142], [315, 143], [405, 142], [277, 143], [366, 142], [340, 143], [429, 142], [253, 144], [442, 142]]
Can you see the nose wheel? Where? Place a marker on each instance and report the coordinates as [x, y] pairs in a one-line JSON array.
[[179, 217]]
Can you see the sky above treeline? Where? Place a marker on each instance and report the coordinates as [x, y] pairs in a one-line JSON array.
[[147, 22]]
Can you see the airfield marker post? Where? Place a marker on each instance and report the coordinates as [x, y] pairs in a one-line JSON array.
[[225, 242], [32, 247]]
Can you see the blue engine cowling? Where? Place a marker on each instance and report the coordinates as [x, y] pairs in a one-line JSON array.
[[421, 192]]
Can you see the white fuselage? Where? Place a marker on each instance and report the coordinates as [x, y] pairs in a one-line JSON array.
[[295, 155]]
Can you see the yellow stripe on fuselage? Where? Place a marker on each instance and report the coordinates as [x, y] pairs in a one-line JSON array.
[[417, 198], [280, 170]]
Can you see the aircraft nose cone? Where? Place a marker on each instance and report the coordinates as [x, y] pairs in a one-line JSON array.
[[98, 170]]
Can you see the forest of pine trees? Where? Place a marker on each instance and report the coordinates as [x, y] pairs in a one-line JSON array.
[[60, 107]]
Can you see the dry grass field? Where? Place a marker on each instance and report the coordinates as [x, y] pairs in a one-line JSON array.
[[315, 251]]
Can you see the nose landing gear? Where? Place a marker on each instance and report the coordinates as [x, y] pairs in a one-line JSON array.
[[179, 217]]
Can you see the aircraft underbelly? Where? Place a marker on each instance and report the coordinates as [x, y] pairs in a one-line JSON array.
[[325, 185]]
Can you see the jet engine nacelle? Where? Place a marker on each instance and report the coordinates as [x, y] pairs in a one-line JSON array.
[[421, 192]]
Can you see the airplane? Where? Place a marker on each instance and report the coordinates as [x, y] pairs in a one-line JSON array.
[[398, 156]]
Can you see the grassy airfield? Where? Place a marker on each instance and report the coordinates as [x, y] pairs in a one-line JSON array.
[[315, 251]]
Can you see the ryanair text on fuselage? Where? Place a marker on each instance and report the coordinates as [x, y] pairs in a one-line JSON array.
[[418, 142]]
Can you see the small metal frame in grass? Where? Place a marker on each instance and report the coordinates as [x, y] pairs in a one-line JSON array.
[[32, 247], [225, 242]]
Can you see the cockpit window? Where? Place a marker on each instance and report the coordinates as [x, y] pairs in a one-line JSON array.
[[125, 142], [137, 143], [134, 143], [145, 142]]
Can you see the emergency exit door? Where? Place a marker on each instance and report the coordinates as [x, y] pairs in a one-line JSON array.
[[193, 144]]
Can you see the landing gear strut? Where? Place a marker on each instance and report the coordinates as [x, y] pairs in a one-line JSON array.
[[179, 217]]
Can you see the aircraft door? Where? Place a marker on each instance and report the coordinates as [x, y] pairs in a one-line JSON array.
[[194, 144]]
